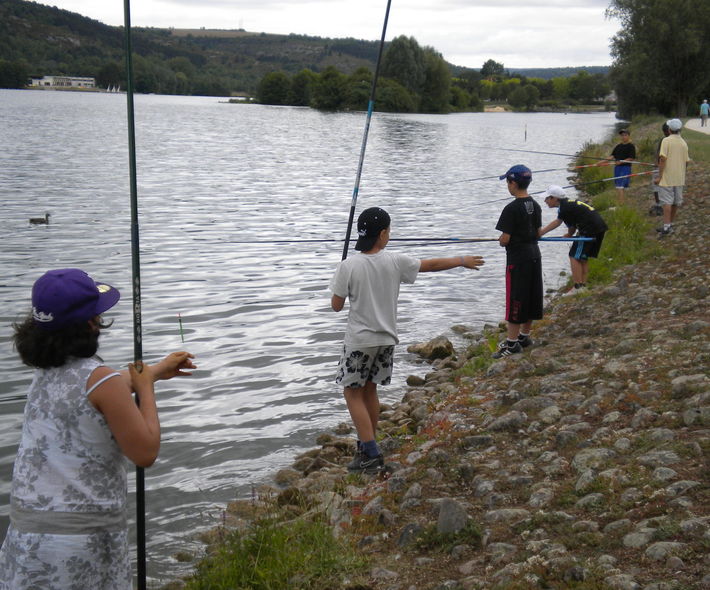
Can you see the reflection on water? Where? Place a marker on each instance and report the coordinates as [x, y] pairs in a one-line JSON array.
[[212, 178]]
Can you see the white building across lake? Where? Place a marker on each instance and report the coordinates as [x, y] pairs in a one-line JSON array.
[[63, 82]]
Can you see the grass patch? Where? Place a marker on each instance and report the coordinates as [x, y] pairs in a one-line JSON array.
[[431, 540], [273, 555]]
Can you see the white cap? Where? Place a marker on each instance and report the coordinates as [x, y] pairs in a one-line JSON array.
[[554, 191], [675, 124]]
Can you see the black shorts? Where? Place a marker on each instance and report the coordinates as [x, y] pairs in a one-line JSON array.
[[523, 291], [583, 250]]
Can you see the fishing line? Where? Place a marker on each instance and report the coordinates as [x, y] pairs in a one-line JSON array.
[[567, 169], [566, 155], [421, 240], [370, 107], [575, 185], [135, 258]]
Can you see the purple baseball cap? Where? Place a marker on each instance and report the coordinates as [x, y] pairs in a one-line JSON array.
[[517, 172], [69, 296]]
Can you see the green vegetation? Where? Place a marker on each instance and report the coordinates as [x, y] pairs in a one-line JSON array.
[[325, 73], [660, 56], [273, 554]]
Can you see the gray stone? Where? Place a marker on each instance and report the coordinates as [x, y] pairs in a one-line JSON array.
[[659, 458], [595, 458], [510, 421], [476, 442], [664, 473], [638, 539], [622, 582], [697, 416], [506, 515], [550, 415], [687, 385], [680, 487], [437, 348], [380, 573], [373, 507], [661, 434], [590, 500], [409, 534], [664, 549], [541, 498], [452, 516], [622, 445]]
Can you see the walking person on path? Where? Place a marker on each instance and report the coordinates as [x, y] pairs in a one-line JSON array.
[[68, 526], [673, 162], [582, 218], [370, 280], [519, 223], [704, 112]]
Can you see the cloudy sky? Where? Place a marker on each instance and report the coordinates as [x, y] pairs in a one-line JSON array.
[[517, 33]]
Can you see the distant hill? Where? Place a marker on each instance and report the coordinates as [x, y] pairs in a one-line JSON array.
[[49, 40], [549, 73]]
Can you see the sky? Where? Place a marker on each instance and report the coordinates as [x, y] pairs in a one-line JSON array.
[[516, 33]]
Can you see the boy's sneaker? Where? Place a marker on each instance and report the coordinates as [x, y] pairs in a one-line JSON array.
[[663, 232], [505, 350], [525, 341], [364, 464]]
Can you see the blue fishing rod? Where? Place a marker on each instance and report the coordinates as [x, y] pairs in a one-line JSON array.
[[370, 107], [135, 265]]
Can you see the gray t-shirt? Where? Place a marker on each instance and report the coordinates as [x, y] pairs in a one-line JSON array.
[[371, 283]]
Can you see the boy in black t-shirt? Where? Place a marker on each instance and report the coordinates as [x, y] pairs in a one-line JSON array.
[[519, 223], [623, 152], [581, 217]]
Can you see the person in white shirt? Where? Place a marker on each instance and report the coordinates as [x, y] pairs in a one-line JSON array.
[[371, 280]]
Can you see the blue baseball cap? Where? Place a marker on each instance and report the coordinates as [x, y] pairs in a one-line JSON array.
[[69, 296], [517, 172]]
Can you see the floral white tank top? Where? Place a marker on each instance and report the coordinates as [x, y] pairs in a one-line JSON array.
[[68, 501]]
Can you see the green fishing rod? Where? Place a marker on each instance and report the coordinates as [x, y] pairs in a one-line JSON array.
[[135, 265], [370, 107]]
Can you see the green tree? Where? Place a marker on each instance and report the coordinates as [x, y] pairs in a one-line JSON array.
[[329, 92], [436, 90], [358, 90], [274, 88], [302, 88], [13, 74], [111, 74], [660, 54], [492, 68], [460, 98], [404, 62], [392, 97]]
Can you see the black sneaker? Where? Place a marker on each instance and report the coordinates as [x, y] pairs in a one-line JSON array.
[[662, 233], [525, 341], [354, 465], [364, 464], [506, 350]]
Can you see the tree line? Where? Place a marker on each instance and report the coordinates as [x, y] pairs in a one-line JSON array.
[[417, 79], [661, 56]]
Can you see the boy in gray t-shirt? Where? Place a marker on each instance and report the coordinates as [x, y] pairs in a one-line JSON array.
[[371, 280]]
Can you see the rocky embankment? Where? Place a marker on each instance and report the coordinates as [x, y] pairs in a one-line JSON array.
[[582, 463]]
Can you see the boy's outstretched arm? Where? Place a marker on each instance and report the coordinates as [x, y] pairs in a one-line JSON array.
[[337, 302], [437, 264]]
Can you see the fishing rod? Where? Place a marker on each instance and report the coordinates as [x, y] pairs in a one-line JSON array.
[[370, 107], [568, 155], [135, 258], [422, 240], [576, 185], [567, 169]]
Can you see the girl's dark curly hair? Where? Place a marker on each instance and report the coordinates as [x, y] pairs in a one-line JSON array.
[[45, 349]]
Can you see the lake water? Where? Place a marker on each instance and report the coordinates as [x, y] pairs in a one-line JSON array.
[[212, 177]]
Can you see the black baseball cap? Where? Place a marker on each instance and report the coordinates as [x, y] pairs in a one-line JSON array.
[[369, 225]]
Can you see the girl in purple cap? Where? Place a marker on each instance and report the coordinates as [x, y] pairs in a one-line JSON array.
[[68, 524]]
